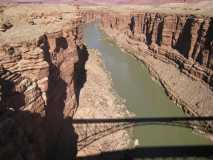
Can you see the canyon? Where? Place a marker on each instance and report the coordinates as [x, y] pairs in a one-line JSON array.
[[176, 48], [42, 71]]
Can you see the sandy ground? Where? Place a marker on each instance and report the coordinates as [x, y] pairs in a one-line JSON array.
[[98, 100], [31, 21], [204, 8]]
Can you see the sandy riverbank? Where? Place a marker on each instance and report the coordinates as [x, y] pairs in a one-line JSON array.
[[98, 100]]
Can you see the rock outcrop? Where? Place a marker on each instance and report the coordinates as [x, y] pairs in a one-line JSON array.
[[38, 90]]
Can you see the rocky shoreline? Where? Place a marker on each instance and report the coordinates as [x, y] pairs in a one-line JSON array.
[[99, 100], [171, 78]]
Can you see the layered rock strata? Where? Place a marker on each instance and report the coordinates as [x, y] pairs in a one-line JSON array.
[[177, 50], [38, 90], [182, 39]]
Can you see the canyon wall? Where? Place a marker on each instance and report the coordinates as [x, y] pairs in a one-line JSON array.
[[38, 91], [177, 49], [185, 40]]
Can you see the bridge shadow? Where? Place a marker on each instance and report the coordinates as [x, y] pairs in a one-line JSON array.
[[91, 130], [142, 120], [153, 152], [96, 129]]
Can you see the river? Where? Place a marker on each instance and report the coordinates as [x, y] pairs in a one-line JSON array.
[[144, 97]]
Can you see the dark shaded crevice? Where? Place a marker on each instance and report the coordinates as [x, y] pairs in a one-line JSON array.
[[198, 47], [160, 31], [44, 45], [116, 21], [211, 82], [11, 98], [143, 25], [209, 36], [148, 38], [80, 73], [209, 44], [148, 30], [184, 41], [132, 25], [199, 57], [61, 43], [174, 40]]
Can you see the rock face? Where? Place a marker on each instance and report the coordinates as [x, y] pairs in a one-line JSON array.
[[177, 50], [38, 93], [182, 39]]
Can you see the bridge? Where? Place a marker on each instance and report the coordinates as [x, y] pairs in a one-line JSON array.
[[91, 130]]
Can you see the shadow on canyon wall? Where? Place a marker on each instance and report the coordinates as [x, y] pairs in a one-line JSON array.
[[80, 73], [160, 30], [16, 99], [61, 136], [22, 134], [27, 135], [49, 134]]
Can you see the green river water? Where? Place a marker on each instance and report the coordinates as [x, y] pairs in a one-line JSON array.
[[144, 97]]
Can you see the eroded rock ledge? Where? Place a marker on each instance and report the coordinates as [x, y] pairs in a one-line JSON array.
[[177, 49]]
